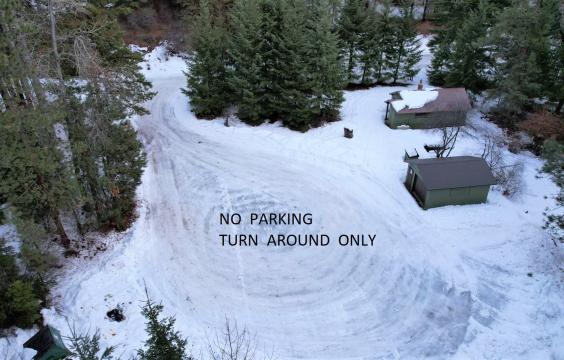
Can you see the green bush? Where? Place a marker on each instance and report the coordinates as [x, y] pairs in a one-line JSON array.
[[22, 304], [19, 302]]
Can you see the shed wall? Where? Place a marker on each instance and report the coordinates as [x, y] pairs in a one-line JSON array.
[[457, 196], [425, 121]]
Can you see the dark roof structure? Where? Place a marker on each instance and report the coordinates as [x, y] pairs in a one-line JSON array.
[[449, 99], [48, 344], [453, 172]]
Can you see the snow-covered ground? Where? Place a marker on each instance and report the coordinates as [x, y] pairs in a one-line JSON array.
[[449, 282]]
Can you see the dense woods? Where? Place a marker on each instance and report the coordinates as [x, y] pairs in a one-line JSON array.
[[512, 48], [290, 60], [511, 52], [70, 159]]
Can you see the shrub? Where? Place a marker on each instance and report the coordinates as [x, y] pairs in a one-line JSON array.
[[19, 302], [164, 342], [553, 153], [507, 175], [22, 305], [542, 126]]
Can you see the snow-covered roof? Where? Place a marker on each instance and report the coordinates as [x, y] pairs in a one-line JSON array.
[[432, 100], [414, 99]]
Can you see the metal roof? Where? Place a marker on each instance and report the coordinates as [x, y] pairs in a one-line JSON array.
[[453, 172], [449, 99]]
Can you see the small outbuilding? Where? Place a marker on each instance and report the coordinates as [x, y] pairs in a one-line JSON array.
[[48, 344], [455, 180], [427, 109]]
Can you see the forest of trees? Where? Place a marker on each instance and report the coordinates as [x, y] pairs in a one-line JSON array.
[[512, 48], [71, 160], [290, 60], [512, 52]]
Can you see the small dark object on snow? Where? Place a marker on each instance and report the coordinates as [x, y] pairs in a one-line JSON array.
[[348, 133], [116, 314], [430, 148], [530, 274], [48, 344]]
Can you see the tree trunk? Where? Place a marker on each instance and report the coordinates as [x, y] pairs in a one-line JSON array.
[[55, 49], [78, 223], [351, 53], [396, 71], [425, 5], [61, 229], [363, 74], [380, 64]]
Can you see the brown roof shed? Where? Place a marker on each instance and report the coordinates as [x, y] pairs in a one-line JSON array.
[[449, 99]]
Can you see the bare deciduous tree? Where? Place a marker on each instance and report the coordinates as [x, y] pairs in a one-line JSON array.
[[234, 344], [449, 135], [508, 176]]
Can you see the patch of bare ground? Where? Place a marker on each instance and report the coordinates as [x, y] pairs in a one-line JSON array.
[[154, 22], [425, 27]]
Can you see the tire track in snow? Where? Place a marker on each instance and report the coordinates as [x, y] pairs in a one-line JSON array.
[[225, 174]]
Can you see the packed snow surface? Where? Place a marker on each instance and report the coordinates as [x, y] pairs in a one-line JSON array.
[[475, 281], [414, 99]]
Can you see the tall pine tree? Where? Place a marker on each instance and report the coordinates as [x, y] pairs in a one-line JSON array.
[[354, 25], [164, 342], [246, 61], [470, 59], [520, 46], [403, 52], [207, 86], [325, 68]]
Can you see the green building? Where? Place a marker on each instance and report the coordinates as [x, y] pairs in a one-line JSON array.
[[48, 344], [455, 180], [427, 109]]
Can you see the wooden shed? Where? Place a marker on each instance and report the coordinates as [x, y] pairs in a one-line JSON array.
[[427, 109], [455, 180]]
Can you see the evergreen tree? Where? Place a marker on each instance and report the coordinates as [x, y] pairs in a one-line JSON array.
[[107, 158], [370, 47], [519, 49], [553, 63], [460, 44], [385, 23], [354, 26], [206, 78], [33, 177], [19, 304], [295, 79], [448, 15], [22, 304], [285, 63], [246, 61], [325, 67], [19, 83], [470, 59], [276, 51], [164, 342], [87, 347], [403, 52]]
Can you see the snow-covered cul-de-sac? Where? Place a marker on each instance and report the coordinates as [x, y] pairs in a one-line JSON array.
[[464, 282]]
